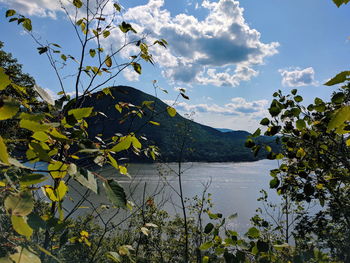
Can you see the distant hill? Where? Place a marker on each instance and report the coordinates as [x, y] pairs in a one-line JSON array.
[[201, 143], [224, 130]]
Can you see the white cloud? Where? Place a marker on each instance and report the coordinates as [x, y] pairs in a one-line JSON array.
[[130, 74], [237, 106], [297, 77], [220, 50], [43, 8]]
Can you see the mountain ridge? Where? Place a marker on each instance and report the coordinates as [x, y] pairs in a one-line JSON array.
[[176, 137]]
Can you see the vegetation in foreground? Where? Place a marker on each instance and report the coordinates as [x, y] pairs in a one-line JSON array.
[[37, 227]]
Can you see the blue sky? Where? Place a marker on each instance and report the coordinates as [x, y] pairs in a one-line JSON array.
[[229, 55]]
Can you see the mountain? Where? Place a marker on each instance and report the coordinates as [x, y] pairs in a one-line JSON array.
[[198, 142], [224, 130]]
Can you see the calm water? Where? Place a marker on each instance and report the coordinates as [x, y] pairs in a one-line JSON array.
[[234, 186]]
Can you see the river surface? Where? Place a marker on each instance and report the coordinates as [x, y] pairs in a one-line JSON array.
[[234, 186]]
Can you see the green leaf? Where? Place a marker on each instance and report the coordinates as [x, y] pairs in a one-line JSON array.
[[4, 156], [208, 228], [27, 24], [205, 259], [58, 194], [8, 109], [339, 78], [92, 52], [171, 111], [77, 3], [294, 91], [265, 122], [81, 112], [298, 98], [154, 123], [108, 61], [40, 136], [338, 97], [25, 255], [257, 133], [206, 245], [253, 232], [20, 225], [137, 67], [115, 193], [4, 79], [19, 204], [124, 143], [57, 169], [274, 183], [106, 33], [125, 27], [31, 179], [339, 117], [10, 12], [300, 124]]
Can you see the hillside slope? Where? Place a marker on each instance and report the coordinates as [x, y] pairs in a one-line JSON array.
[[198, 142]]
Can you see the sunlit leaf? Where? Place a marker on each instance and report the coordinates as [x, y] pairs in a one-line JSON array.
[[339, 78], [57, 169], [171, 111], [20, 204], [206, 245], [339, 117], [4, 79], [108, 61], [4, 156], [117, 7], [81, 113], [124, 143], [10, 12], [19, 224], [25, 255], [154, 123], [137, 67], [77, 3]]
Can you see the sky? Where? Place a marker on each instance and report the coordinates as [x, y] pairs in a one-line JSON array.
[[229, 55]]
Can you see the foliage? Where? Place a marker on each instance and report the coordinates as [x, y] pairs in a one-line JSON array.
[[56, 140]]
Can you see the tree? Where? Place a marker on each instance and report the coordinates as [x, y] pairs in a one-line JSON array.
[[57, 140]]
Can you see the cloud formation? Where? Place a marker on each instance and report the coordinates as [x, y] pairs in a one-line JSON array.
[[42, 8], [220, 50], [298, 77], [237, 107]]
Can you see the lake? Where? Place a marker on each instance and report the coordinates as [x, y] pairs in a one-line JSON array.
[[234, 186]]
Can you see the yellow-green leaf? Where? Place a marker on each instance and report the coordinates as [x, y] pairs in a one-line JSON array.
[[77, 3], [118, 108], [2, 184], [8, 109], [57, 169], [58, 194], [154, 123], [4, 156], [81, 112], [108, 61], [4, 79], [171, 111], [33, 126], [19, 204], [40, 136], [25, 255], [339, 117], [123, 144], [19, 224]]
